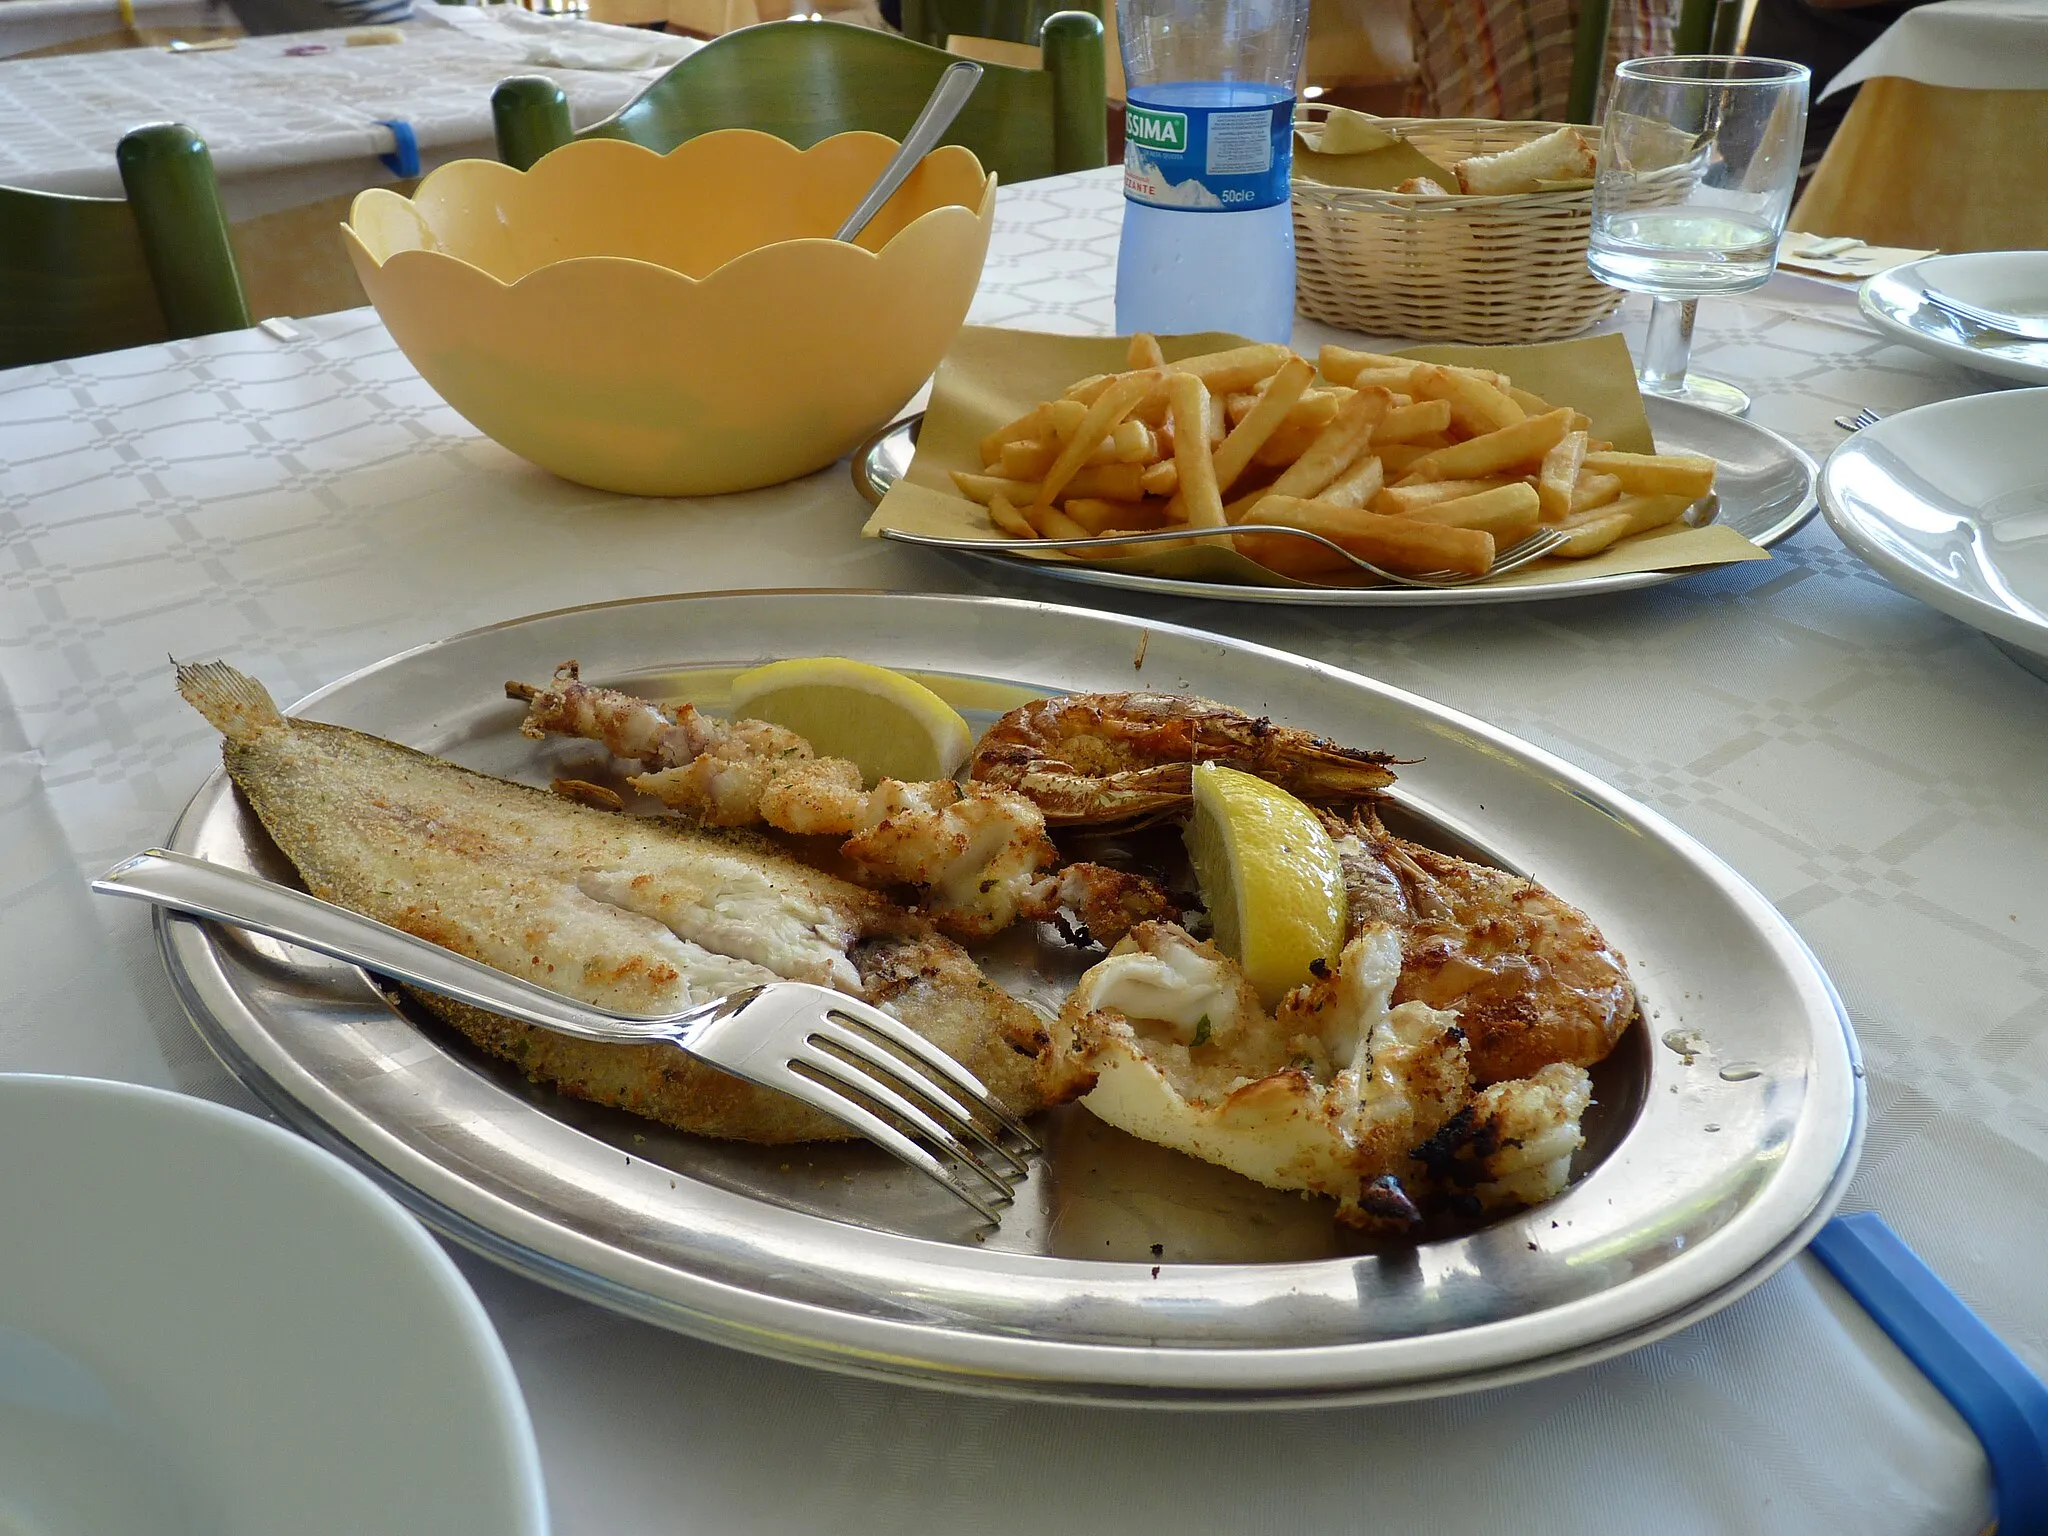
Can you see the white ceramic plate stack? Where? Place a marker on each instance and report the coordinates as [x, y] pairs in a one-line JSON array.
[[1949, 502], [2015, 282]]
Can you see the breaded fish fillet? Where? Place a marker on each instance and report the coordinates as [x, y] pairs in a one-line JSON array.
[[634, 913]]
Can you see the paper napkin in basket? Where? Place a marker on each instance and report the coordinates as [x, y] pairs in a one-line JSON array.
[[992, 376], [1350, 149]]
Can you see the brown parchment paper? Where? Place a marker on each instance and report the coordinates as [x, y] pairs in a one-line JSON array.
[[1355, 149], [991, 376], [1350, 149]]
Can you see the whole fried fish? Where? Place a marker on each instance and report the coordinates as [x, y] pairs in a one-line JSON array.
[[644, 915]]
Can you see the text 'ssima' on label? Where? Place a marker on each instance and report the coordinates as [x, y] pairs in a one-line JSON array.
[[1208, 159]]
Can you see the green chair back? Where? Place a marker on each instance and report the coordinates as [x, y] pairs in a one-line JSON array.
[[806, 80], [91, 274], [1589, 59], [1704, 26], [1009, 21]]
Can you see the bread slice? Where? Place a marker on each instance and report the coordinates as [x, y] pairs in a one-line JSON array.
[[1422, 186], [1560, 156]]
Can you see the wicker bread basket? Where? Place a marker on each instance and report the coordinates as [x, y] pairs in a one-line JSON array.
[[1472, 269]]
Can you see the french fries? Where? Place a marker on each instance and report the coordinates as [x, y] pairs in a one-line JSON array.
[[1394, 542], [1592, 490], [1403, 500], [1417, 419], [1492, 452], [1656, 474], [1342, 441], [1103, 417], [1187, 401], [1591, 532], [1008, 519], [1509, 513], [1412, 466], [1476, 406], [1559, 475], [1274, 409], [1225, 373], [1340, 365]]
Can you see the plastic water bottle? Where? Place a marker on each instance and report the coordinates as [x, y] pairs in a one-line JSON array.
[[1208, 240]]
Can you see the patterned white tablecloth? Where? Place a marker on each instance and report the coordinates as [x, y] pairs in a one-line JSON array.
[[287, 130], [306, 508]]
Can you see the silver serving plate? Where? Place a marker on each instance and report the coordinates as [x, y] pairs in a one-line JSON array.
[[1765, 485], [1728, 1120]]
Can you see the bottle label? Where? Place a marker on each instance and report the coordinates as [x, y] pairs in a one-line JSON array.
[[1208, 159]]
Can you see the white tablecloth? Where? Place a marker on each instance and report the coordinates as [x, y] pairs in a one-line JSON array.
[[285, 131], [306, 508], [1970, 45]]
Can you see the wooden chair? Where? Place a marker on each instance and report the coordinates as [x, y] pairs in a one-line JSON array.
[[91, 274], [807, 80]]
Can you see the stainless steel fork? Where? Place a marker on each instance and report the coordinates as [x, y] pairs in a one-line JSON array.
[[834, 1052], [2023, 327], [1513, 558]]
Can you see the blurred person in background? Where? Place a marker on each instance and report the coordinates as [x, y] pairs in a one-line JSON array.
[[262, 18], [1512, 59], [1824, 35]]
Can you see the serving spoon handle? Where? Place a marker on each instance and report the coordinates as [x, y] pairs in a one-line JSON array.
[[940, 108]]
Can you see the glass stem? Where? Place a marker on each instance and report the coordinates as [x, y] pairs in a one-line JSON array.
[[1667, 348]]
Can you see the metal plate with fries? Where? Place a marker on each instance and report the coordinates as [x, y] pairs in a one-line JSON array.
[[1764, 489], [1726, 1124]]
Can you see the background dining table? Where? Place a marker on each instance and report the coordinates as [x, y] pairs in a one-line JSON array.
[[1946, 143], [29, 26], [299, 122], [305, 506]]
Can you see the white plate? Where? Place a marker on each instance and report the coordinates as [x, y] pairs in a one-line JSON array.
[[1950, 503], [208, 1325], [1123, 1273], [1896, 303]]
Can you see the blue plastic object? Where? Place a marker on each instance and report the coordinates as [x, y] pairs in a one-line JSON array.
[[405, 159], [1999, 1398]]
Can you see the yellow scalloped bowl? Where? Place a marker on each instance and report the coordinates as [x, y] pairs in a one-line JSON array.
[[679, 324]]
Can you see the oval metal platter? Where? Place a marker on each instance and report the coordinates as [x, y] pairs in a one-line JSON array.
[[1728, 1117], [1765, 485]]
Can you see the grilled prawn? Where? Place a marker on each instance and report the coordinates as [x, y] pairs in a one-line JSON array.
[[1099, 759], [978, 853], [1530, 977]]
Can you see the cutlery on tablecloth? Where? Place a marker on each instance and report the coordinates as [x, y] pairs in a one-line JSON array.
[[1513, 558], [791, 1036], [2024, 327]]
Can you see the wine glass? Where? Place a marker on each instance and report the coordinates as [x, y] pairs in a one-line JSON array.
[[1698, 161]]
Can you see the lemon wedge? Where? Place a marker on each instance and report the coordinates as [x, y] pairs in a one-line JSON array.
[[1270, 878], [891, 725]]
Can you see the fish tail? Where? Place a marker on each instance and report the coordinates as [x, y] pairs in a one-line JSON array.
[[234, 703]]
